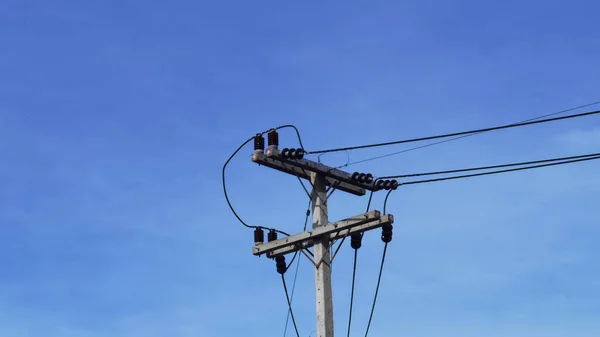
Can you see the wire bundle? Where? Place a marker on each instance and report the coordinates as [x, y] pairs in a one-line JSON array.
[[452, 174]]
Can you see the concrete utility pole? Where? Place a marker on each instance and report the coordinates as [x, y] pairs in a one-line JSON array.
[[323, 233], [322, 252]]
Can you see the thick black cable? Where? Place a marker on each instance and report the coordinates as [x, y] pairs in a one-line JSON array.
[[288, 126], [377, 288], [456, 133], [490, 167], [233, 155], [463, 136], [287, 319], [352, 290], [289, 305], [496, 172], [227, 197], [386, 200], [354, 271]]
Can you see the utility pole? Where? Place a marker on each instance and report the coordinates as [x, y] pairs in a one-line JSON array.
[[323, 234], [322, 252]]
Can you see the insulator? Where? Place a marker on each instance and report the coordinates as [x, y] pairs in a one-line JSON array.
[[292, 154], [259, 142], [285, 152], [394, 184], [361, 178], [272, 235], [273, 138], [369, 178], [280, 263], [259, 236], [387, 185], [299, 153], [386, 232], [355, 176], [386, 237], [380, 184], [355, 240]]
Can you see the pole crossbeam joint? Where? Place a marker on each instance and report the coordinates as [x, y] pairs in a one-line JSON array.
[[303, 168], [333, 231]]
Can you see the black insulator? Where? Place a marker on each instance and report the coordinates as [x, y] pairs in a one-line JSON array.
[[259, 142], [361, 178], [259, 236], [355, 176], [299, 153], [355, 240], [292, 154], [386, 237], [280, 263], [272, 235], [369, 178], [285, 152], [380, 184], [273, 138], [386, 232], [394, 184], [387, 185]]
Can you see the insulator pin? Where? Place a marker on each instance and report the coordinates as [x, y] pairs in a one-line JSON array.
[[259, 143], [386, 232], [280, 263], [259, 236], [273, 138], [272, 235], [356, 240]]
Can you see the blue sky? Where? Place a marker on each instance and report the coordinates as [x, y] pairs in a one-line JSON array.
[[116, 117]]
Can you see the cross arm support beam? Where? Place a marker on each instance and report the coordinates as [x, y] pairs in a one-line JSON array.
[[303, 167], [304, 240]]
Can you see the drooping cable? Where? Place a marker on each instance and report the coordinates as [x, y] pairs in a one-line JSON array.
[[229, 160], [352, 291], [227, 197], [497, 172], [296, 272], [289, 304], [456, 133], [377, 288], [356, 243], [463, 136], [292, 127], [490, 167]]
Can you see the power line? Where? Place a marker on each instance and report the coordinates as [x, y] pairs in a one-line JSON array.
[[463, 136], [289, 305], [354, 270], [456, 133], [295, 273], [225, 184], [377, 288], [490, 167], [497, 172]]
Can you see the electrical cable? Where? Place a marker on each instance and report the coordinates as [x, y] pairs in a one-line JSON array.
[[352, 290], [288, 126], [456, 133], [497, 172], [463, 136], [377, 288], [354, 271], [229, 160], [296, 272], [289, 305], [490, 167]]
